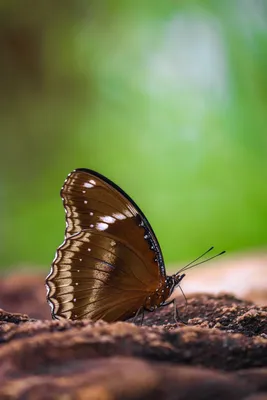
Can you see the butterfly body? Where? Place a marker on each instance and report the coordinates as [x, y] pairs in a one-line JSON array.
[[110, 264]]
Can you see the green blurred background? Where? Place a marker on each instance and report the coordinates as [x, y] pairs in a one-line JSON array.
[[166, 98]]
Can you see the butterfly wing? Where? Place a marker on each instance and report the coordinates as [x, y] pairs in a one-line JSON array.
[[93, 277], [110, 261]]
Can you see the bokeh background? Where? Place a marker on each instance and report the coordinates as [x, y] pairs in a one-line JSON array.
[[166, 98]]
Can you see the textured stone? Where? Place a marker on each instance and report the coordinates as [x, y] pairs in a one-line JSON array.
[[220, 354]]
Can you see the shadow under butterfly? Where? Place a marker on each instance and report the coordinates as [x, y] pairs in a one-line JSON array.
[[110, 265]]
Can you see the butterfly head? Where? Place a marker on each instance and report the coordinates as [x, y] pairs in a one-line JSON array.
[[176, 280], [173, 281]]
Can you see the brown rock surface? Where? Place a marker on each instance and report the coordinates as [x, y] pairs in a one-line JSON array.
[[25, 293], [220, 354]]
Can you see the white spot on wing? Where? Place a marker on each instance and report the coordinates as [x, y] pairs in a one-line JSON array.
[[92, 182], [88, 185], [101, 226], [108, 219], [119, 216], [85, 201]]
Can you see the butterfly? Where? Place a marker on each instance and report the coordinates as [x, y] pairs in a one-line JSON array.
[[110, 265]]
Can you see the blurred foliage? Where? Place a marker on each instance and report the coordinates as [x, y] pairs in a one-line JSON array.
[[167, 99]]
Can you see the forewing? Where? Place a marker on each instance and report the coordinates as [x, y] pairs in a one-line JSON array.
[[93, 202], [90, 200]]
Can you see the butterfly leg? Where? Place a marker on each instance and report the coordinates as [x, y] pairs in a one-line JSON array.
[[140, 310], [176, 314], [142, 319]]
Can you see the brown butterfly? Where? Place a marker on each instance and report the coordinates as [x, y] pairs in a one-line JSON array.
[[110, 265]]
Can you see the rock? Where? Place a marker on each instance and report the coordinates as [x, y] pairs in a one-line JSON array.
[[25, 293], [220, 354], [126, 378]]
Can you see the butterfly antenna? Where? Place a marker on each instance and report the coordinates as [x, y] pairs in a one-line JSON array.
[[201, 262], [186, 267], [192, 262]]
